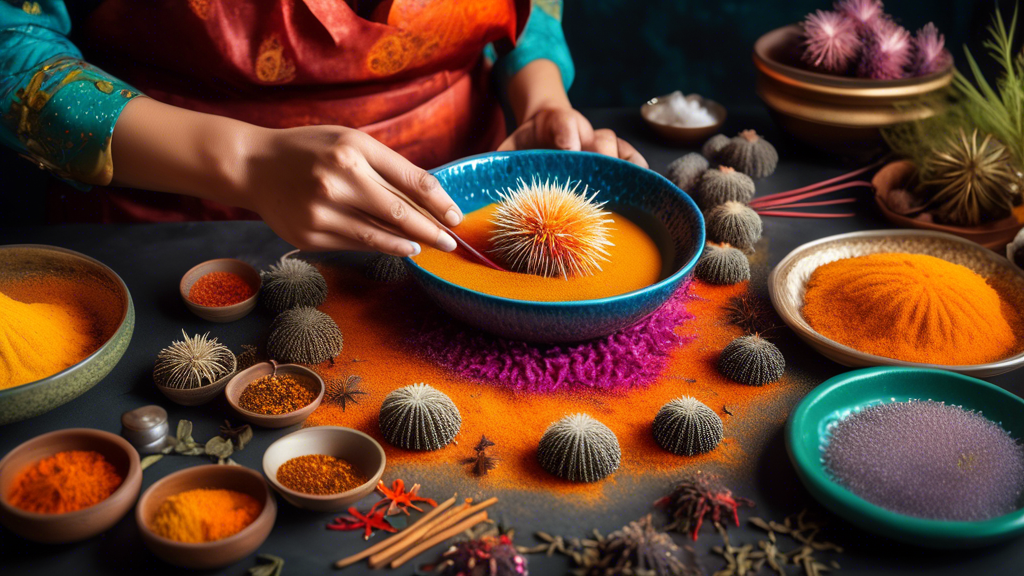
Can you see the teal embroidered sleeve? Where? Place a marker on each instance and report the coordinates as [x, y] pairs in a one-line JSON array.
[[55, 109], [541, 38]]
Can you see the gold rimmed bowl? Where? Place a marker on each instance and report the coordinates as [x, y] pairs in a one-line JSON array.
[[788, 280], [838, 114]]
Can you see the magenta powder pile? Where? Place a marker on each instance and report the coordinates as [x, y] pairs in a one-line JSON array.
[[927, 459], [627, 359]]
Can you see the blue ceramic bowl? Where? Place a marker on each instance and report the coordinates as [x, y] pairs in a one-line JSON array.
[[664, 211]]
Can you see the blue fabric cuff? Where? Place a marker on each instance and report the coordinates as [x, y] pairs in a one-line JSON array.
[[541, 38]]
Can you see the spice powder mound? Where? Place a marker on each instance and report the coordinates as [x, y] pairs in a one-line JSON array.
[[65, 482], [219, 289], [276, 394], [320, 474], [378, 320]]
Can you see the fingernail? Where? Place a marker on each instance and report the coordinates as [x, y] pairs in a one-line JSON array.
[[415, 248], [453, 217], [445, 242]]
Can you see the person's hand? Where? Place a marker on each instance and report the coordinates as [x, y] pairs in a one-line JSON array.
[[564, 128], [320, 188]]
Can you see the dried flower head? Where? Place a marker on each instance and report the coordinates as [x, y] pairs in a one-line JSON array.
[[686, 426], [636, 549], [419, 417], [750, 313], [343, 390], [485, 556], [292, 283], [831, 41], [930, 54], [862, 13], [304, 335], [975, 182], [578, 448], [696, 497], [194, 362], [887, 51], [548, 229], [482, 460]]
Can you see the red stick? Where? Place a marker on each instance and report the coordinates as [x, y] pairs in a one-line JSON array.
[[763, 202], [810, 187], [809, 204], [805, 214]]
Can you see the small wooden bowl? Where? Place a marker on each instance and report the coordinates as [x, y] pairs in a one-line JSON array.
[[237, 384], [80, 524], [218, 553], [201, 395], [221, 313], [358, 448], [678, 134]]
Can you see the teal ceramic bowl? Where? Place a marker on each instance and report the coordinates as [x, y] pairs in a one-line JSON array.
[[664, 211], [807, 432], [99, 290]]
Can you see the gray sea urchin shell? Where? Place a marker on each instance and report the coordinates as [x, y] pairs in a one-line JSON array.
[[304, 335], [386, 268], [713, 146], [292, 283], [750, 154], [752, 360], [734, 223], [578, 448], [723, 184], [722, 265], [686, 171], [419, 417], [686, 426]]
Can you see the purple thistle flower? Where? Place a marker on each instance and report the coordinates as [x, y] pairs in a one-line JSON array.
[[863, 13], [887, 51], [831, 41], [929, 52]]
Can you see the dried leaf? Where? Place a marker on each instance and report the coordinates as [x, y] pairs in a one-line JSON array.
[[150, 460], [268, 565], [219, 447]]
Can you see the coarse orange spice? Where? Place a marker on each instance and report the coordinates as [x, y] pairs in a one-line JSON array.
[[65, 482], [320, 474], [218, 289], [276, 394], [204, 515]]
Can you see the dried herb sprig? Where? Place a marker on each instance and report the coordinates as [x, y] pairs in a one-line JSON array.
[[219, 447], [482, 461], [746, 560], [267, 565], [750, 313], [696, 497], [344, 390]]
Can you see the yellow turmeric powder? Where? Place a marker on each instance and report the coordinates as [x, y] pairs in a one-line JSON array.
[[911, 307], [204, 515], [39, 340]]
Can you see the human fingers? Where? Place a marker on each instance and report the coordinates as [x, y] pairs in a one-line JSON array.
[[606, 143], [331, 229], [418, 184], [586, 131], [628, 153], [561, 129]]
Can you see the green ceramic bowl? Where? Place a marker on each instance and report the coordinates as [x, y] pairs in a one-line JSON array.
[[837, 398], [98, 289]]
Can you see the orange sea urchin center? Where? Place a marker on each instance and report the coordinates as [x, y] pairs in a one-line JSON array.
[[547, 229]]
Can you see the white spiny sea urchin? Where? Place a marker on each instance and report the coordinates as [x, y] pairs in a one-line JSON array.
[[686, 426], [578, 448], [548, 229]]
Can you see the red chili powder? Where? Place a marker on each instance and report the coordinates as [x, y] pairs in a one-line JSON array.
[[377, 321], [218, 289]]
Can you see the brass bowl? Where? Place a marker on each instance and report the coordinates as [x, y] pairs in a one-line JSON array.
[[837, 113]]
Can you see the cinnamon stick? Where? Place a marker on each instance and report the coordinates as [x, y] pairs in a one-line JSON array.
[[440, 524], [424, 520], [441, 537]]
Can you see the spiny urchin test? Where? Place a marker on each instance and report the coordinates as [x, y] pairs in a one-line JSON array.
[[735, 224], [686, 426], [292, 283], [578, 448], [386, 268], [751, 154], [419, 417], [752, 360], [304, 335], [723, 184], [193, 362], [548, 229], [713, 146], [686, 171], [722, 265]]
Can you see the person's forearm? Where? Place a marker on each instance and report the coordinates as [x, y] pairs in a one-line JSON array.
[[164, 148], [537, 86]]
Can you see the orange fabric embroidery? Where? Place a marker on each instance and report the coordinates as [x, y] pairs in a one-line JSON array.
[[271, 63], [200, 8]]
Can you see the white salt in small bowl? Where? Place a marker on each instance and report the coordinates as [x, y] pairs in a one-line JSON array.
[[683, 136]]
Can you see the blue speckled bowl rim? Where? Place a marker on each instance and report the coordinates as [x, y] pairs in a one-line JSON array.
[[845, 503], [675, 277], [120, 325]]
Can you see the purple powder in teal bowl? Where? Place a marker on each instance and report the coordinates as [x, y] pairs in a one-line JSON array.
[[927, 459]]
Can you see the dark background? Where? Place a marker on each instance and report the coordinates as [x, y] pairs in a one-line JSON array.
[[627, 51]]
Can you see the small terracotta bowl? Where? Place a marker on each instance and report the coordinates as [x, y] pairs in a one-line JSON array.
[[358, 448], [218, 553], [240, 380], [221, 313], [80, 524], [197, 396], [678, 134]]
